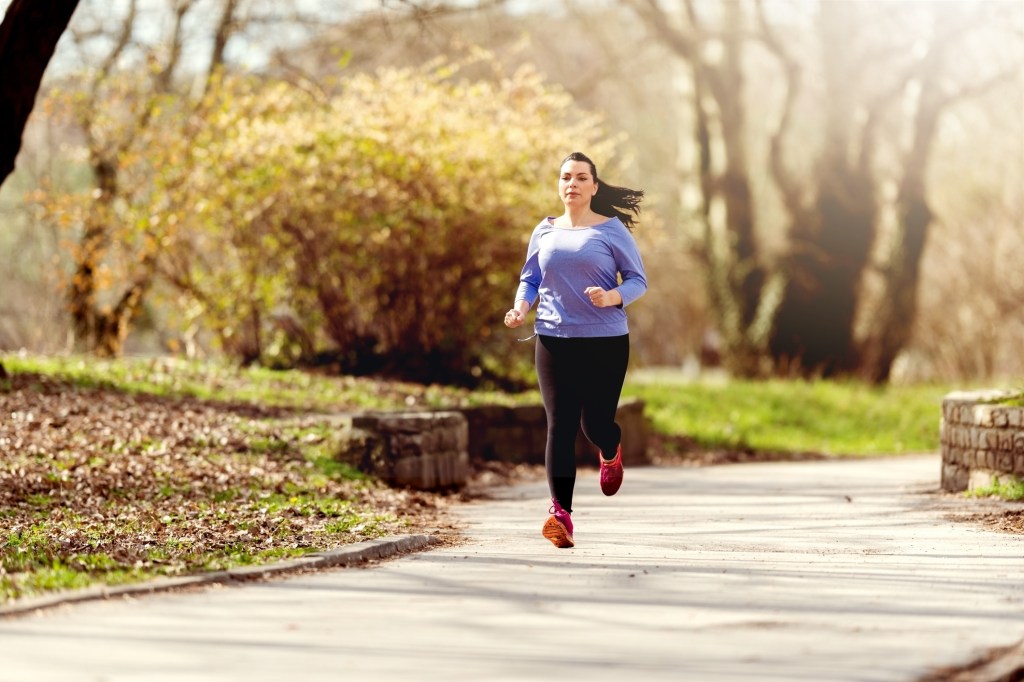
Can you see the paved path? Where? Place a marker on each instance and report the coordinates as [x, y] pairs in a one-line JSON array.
[[810, 571]]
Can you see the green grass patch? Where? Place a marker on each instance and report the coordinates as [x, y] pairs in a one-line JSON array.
[[1009, 488], [50, 578], [174, 377], [828, 417], [1016, 400], [240, 555]]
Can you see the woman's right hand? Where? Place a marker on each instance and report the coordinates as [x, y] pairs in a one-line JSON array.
[[514, 318]]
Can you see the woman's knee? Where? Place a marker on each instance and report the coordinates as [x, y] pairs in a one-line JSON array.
[[602, 428]]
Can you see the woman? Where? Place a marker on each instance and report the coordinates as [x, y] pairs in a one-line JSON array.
[[573, 266]]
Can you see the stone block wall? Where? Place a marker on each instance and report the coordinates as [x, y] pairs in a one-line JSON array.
[[421, 450], [519, 434], [431, 450], [506, 434], [980, 438]]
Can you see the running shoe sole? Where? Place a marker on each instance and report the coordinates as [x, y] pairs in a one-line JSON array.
[[559, 535]]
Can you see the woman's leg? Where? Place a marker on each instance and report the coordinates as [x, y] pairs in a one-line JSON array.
[[560, 389], [608, 358]]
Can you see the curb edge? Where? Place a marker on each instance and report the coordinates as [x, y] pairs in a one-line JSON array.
[[347, 555]]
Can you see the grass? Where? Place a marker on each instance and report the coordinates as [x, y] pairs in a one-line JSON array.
[[175, 377], [35, 560], [828, 417], [836, 418], [1013, 400], [1010, 489]]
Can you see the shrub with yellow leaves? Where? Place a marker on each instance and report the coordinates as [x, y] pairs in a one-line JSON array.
[[382, 227]]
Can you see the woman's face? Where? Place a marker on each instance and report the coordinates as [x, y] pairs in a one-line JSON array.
[[576, 185]]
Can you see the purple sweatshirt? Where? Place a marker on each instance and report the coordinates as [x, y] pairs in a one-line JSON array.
[[561, 262]]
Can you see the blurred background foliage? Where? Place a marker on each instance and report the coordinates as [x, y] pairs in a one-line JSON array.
[[834, 188], [364, 226]]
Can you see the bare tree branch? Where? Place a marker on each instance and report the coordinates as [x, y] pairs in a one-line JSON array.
[[791, 69], [420, 10], [875, 108], [122, 41], [166, 73], [657, 21], [225, 28], [981, 87]]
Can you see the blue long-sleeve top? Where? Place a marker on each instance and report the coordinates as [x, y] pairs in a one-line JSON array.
[[562, 262]]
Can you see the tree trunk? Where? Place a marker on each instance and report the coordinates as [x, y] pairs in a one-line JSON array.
[[893, 322], [28, 37], [92, 248], [98, 328], [735, 275], [102, 329], [736, 180], [813, 331], [830, 247]]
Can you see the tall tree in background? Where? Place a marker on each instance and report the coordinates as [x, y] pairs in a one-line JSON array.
[[28, 37], [848, 236], [101, 325], [885, 87], [136, 80]]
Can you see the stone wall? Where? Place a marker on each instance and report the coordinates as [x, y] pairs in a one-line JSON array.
[[519, 434], [980, 439], [421, 450], [431, 450]]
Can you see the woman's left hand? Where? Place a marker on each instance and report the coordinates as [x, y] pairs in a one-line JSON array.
[[601, 298]]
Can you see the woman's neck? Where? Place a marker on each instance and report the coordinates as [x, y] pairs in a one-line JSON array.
[[579, 216]]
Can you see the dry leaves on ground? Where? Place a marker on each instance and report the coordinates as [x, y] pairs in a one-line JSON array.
[[99, 484]]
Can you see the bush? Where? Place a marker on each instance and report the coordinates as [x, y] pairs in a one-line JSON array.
[[382, 228]]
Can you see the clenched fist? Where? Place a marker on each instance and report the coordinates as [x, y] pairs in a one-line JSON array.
[[601, 298], [514, 318]]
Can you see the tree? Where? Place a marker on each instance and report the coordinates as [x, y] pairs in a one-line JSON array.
[[809, 310], [119, 115], [28, 37], [115, 113], [133, 84]]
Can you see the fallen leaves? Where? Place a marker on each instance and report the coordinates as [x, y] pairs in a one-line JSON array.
[[118, 486]]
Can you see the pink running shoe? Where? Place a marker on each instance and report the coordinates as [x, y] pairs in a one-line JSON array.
[[611, 473], [558, 527]]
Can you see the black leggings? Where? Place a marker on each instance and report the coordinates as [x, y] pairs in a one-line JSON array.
[[580, 380]]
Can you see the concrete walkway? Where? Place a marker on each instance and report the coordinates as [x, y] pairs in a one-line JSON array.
[[788, 571]]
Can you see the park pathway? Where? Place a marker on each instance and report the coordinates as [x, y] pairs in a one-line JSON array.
[[816, 571]]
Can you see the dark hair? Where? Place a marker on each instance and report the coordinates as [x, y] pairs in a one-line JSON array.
[[611, 200]]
